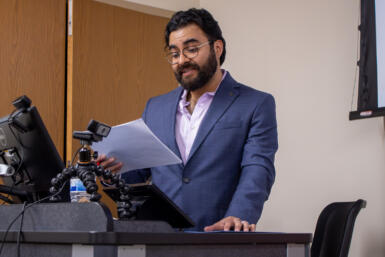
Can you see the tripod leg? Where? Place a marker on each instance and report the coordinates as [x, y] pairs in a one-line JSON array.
[[59, 180], [124, 206], [87, 176]]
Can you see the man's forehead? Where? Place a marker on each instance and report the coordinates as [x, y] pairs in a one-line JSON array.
[[186, 35]]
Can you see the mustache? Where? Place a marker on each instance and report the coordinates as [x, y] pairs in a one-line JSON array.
[[187, 65]]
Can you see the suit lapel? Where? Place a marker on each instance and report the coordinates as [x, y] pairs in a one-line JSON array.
[[170, 119], [224, 97]]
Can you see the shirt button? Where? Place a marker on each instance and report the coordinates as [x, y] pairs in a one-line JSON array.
[[186, 180]]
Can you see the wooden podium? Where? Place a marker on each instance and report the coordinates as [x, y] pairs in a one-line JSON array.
[[88, 230]]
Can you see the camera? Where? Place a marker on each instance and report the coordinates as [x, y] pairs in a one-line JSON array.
[[99, 128], [95, 132]]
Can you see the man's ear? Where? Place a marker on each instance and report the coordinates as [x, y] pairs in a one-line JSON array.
[[218, 48]]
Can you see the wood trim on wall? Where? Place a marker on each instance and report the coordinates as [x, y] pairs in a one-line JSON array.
[[69, 84]]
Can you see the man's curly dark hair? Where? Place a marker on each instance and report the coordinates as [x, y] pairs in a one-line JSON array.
[[200, 17]]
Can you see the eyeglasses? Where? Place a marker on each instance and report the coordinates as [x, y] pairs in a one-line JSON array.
[[189, 52]]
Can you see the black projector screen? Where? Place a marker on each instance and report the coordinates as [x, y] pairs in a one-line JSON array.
[[380, 40], [371, 84]]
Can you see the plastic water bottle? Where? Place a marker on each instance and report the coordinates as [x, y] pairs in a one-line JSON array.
[[78, 192]]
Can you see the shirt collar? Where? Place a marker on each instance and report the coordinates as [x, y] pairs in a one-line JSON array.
[[185, 103]]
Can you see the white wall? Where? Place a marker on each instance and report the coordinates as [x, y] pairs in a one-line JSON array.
[[174, 5], [304, 53], [164, 8]]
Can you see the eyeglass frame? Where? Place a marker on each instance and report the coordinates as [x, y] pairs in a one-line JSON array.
[[198, 47]]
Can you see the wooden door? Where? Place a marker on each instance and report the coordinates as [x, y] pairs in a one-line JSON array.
[[116, 64], [32, 59]]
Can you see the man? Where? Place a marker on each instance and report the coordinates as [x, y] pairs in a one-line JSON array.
[[225, 132]]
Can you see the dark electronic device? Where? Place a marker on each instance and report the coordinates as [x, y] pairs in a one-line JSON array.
[[151, 203], [28, 157], [371, 81]]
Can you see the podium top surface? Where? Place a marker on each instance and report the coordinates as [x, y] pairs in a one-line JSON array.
[[91, 223], [177, 238]]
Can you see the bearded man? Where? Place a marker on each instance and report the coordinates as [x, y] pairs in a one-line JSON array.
[[225, 132]]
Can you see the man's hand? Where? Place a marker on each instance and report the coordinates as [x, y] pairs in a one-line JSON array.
[[231, 223], [109, 163]]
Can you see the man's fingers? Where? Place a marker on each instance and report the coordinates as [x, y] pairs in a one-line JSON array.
[[228, 225], [216, 226], [107, 162], [246, 226], [116, 167], [237, 225], [101, 158], [209, 228]]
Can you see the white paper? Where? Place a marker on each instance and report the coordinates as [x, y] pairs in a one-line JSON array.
[[135, 145]]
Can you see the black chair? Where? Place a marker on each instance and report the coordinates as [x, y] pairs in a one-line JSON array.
[[334, 229]]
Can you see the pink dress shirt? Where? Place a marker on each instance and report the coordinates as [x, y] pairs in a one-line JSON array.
[[187, 125]]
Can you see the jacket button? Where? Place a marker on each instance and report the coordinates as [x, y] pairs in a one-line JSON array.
[[186, 180]]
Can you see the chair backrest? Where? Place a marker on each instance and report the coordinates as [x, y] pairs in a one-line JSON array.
[[334, 229]]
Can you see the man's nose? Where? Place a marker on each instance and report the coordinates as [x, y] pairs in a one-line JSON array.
[[183, 59]]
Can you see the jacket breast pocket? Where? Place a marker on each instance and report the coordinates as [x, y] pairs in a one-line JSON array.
[[227, 124]]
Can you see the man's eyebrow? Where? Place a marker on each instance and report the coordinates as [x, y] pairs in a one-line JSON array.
[[171, 47], [191, 40]]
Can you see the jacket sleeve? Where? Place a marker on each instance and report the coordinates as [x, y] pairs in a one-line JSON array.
[[257, 166]]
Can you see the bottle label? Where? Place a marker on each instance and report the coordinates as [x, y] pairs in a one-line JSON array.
[[77, 185]]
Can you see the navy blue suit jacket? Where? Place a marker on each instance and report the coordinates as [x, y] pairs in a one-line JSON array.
[[230, 169]]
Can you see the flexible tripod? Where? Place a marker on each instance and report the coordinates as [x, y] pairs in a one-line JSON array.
[[87, 170]]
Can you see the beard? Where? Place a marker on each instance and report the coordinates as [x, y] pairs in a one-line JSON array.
[[205, 73]]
